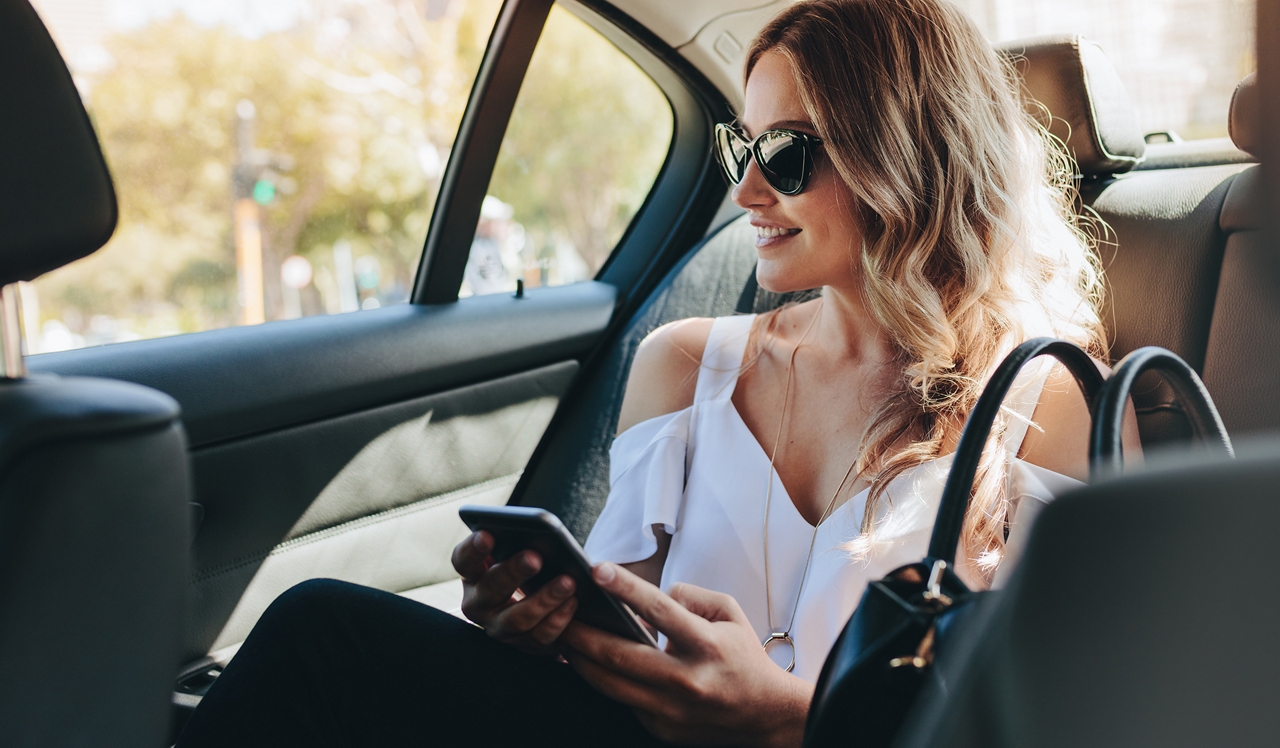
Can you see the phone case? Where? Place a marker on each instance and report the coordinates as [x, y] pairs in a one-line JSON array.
[[516, 528]]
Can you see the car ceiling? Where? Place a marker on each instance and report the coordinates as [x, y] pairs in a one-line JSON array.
[[711, 34]]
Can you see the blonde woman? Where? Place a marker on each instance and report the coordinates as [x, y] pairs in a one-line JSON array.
[[767, 467]]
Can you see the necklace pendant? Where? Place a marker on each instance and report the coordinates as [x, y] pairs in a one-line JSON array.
[[782, 637]]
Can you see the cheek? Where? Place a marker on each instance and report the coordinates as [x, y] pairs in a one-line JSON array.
[[828, 247], [827, 206], [824, 256]]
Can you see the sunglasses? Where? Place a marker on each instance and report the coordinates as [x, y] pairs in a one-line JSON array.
[[785, 157]]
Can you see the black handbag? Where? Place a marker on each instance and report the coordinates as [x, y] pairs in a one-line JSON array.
[[885, 653], [1106, 456]]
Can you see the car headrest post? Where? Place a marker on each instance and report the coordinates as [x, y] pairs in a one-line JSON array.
[[12, 365]]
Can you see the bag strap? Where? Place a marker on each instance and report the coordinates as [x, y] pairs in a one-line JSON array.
[[1106, 453], [977, 428]]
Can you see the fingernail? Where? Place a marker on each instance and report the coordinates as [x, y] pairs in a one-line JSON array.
[[481, 542], [605, 572], [530, 561], [564, 585]]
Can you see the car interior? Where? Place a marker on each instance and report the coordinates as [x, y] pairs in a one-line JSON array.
[[157, 495]]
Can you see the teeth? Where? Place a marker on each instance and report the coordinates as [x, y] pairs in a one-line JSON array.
[[769, 232]]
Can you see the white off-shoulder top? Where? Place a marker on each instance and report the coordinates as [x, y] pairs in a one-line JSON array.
[[700, 474]]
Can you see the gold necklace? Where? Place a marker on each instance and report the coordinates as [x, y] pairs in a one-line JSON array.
[[785, 634]]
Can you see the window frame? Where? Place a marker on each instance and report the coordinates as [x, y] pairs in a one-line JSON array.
[[475, 149], [680, 204]]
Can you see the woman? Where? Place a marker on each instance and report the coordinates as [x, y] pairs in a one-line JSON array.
[[767, 467]]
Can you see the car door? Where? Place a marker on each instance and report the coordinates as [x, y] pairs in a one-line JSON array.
[[341, 445]]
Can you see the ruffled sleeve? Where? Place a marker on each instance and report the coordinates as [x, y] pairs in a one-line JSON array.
[[646, 488]]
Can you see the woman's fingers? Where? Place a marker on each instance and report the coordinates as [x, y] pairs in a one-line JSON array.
[[704, 603], [549, 630], [651, 603], [495, 586], [639, 662], [493, 591], [471, 555], [617, 686], [525, 616]]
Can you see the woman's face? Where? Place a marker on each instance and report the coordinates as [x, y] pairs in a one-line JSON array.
[[803, 241]]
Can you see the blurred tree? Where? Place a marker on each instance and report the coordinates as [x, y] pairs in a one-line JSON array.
[[589, 133], [363, 99]]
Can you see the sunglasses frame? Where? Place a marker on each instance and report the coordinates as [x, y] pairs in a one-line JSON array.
[[808, 144]]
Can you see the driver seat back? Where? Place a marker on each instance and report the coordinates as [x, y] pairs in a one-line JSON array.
[[94, 489], [1125, 624]]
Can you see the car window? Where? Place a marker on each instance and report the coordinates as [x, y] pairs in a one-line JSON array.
[[587, 138], [272, 160], [1179, 59]]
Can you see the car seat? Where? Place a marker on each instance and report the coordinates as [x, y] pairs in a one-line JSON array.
[[1134, 630], [94, 490], [1242, 355]]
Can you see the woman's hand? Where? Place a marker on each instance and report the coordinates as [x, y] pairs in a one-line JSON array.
[[490, 597], [713, 685]]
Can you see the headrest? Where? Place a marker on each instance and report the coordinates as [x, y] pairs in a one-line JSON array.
[[1090, 109], [56, 200], [1244, 120]]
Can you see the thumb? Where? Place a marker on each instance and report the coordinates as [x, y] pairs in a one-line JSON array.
[[704, 603]]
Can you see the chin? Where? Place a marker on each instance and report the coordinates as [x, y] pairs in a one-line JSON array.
[[775, 279]]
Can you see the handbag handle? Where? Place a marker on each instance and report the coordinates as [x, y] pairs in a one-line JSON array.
[[1106, 453], [977, 428]]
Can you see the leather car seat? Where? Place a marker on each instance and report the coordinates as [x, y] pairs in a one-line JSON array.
[[1242, 359], [1160, 240], [1071, 88], [94, 485]]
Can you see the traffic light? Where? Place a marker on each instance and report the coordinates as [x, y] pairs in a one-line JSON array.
[[264, 191]]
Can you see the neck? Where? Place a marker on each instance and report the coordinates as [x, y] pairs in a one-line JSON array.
[[847, 330]]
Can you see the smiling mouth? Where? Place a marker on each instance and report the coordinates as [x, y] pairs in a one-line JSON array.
[[770, 232]]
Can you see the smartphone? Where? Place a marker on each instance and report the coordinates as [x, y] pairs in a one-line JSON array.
[[516, 528]]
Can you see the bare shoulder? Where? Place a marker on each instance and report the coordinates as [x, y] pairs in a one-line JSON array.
[[665, 371], [1060, 440]]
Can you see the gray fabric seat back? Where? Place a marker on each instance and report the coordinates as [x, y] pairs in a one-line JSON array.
[[1121, 627], [571, 475]]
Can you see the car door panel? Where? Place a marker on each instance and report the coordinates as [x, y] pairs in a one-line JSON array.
[[370, 497], [241, 381], [342, 446]]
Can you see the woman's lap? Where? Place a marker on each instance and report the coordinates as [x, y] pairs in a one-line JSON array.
[[336, 664]]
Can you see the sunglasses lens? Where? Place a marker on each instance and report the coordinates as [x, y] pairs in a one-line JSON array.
[[784, 160], [732, 152], [783, 156]]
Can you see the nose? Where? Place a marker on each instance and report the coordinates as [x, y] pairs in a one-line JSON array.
[[753, 191]]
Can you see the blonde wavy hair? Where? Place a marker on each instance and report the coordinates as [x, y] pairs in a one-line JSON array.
[[971, 242]]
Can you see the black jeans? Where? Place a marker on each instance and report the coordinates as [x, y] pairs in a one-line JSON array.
[[336, 664]]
